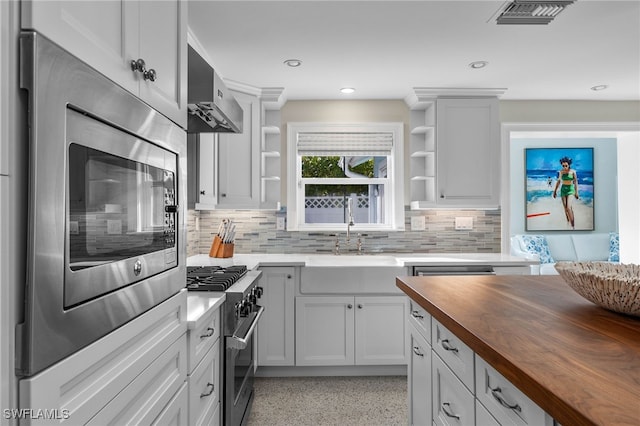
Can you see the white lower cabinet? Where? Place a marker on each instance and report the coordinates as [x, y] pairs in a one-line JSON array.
[[462, 388], [133, 375], [457, 355], [150, 392], [453, 403], [276, 329], [204, 373], [419, 376], [176, 411], [204, 390], [483, 417], [504, 401], [347, 330]]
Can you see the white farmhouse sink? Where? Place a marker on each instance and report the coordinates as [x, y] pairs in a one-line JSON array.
[[351, 274]]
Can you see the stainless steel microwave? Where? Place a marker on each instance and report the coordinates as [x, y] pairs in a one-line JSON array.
[[107, 196]]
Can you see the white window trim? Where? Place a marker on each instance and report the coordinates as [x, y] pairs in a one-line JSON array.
[[395, 209]]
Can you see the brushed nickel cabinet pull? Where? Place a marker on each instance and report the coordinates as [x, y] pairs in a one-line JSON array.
[[497, 394], [447, 346], [211, 387], [209, 333], [445, 409]]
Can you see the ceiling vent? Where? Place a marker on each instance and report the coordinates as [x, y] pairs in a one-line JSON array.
[[525, 12]]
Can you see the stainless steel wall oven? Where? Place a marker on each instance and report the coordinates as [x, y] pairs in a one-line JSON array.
[[107, 188]]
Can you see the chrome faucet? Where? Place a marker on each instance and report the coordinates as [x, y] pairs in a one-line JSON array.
[[350, 222]]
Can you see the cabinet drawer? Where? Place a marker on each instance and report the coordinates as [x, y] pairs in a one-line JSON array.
[[145, 398], [453, 404], [202, 337], [421, 319], [175, 413], [419, 379], [457, 355], [483, 417], [204, 388], [503, 400]]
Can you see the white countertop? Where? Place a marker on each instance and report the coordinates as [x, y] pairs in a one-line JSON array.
[[385, 259], [199, 303]]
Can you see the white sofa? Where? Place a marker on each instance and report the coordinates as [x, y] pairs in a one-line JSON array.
[[565, 247]]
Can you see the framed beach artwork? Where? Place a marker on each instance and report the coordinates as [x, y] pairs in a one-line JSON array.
[[559, 189]]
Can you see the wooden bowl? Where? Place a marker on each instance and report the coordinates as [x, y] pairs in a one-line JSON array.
[[612, 286]]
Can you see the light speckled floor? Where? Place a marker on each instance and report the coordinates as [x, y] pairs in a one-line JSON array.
[[299, 401]]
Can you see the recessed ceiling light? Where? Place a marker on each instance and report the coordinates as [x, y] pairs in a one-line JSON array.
[[478, 64], [599, 87], [347, 90], [293, 63]]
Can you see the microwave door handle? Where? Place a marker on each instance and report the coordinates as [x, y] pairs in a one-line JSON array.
[[240, 343]]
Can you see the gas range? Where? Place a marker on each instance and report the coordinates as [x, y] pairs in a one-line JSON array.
[[213, 278], [241, 289], [240, 316]]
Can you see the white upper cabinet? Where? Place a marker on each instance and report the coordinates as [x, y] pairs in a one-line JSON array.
[[454, 150], [468, 153], [109, 35], [239, 159]]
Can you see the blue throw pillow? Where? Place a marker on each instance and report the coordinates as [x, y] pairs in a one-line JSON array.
[[614, 247], [537, 244]]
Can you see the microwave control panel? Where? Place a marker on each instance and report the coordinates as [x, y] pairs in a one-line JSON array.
[[170, 210]]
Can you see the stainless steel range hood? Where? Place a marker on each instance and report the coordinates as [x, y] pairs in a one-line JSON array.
[[212, 108]]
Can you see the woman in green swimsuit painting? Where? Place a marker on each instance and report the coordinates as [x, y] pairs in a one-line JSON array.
[[569, 179]]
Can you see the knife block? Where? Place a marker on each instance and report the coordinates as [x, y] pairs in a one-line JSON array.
[[220, 249]]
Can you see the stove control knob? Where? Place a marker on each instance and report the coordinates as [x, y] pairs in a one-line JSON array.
[[245, 308], [259, 291]]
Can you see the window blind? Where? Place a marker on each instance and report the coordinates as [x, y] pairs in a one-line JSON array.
[[343, 144]]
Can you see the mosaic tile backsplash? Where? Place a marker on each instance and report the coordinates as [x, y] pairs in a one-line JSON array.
[[256, 233]]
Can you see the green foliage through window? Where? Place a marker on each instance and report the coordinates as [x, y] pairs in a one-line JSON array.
[[330, 167]]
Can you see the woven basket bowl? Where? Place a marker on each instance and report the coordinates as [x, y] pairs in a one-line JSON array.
[[612, 286]]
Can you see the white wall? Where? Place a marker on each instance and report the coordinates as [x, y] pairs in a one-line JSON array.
[[629, 196]]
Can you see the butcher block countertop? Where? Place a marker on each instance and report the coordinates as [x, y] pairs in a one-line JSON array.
[[580, 363]]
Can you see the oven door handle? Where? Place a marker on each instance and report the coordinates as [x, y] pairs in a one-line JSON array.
[[240, 343]]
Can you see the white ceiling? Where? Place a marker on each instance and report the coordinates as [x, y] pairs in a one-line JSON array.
[[384, 49]]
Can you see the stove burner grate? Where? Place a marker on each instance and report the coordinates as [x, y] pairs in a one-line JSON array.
[[213, 278]]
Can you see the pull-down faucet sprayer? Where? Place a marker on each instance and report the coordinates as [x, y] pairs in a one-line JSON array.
[[350, 220]]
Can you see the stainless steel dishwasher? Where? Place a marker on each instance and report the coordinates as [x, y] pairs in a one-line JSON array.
[[453, 270]]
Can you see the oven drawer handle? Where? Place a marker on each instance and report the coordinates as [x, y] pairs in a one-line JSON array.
[[241, 342]]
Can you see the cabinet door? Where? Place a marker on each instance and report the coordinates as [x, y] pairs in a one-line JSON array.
[[381, 332], [419, 373], [324, 331], [207, 177], [276, 330], [239, 159], [163, 46], [103, 34], [108, 35], [468, 152]]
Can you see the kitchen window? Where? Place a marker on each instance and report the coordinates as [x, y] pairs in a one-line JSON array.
[[338, 170]]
